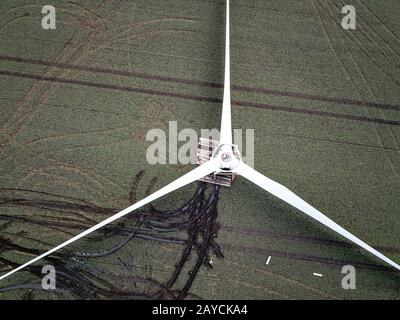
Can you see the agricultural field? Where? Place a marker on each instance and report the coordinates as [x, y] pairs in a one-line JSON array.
[[78, 101]]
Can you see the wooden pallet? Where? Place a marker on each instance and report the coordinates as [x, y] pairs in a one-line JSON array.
[[204, 152]]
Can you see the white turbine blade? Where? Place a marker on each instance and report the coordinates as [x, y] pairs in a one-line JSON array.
[[198, 173], [226, 120], [288, 196]]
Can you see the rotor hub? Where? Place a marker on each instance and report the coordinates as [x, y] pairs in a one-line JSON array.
[[228, 156]]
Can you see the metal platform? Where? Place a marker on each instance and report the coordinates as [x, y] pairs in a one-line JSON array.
[[204, 152]]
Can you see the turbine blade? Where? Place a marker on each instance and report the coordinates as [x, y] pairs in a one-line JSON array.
[[288, 196], [201, 171], [226, 120]]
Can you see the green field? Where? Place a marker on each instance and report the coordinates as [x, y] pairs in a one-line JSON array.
[[77, 102]]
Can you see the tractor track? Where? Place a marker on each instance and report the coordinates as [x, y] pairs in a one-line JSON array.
[[201, 98], [200, 83]]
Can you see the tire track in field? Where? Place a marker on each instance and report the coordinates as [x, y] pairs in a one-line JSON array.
[[275, 275], [374, 36], [84, 204], [394, 36], [319, 8], [63, 54], [381, 22], [94, 31], [305, 257], [19, 124], [277, 235], [189, 121], [201, 83], [363, 80], [34, 87], [353, 38], [202, 98], [383, 53], [11, 138]]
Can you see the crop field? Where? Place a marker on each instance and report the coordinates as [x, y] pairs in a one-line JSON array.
[[77, 102]]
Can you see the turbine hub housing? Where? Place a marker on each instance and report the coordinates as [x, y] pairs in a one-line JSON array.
[[228, 156]]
